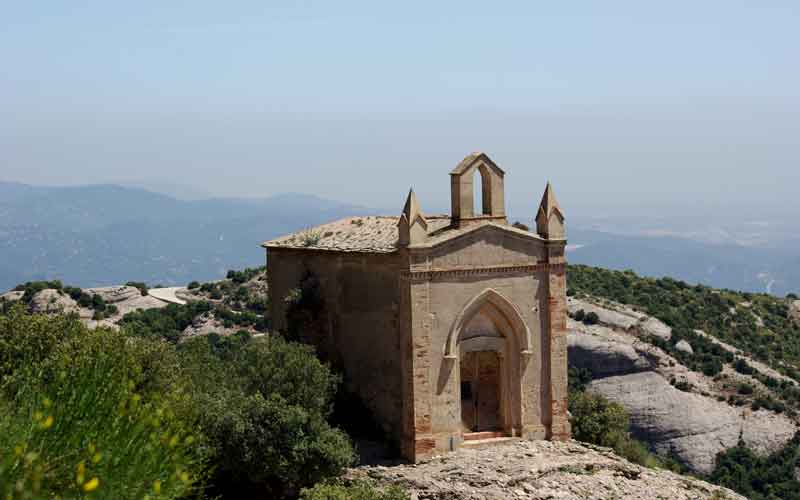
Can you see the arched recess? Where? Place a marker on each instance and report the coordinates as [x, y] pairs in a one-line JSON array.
[[508, 311], [510, 338], [482, 191]]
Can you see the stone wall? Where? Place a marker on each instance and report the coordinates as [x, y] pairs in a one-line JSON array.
[[443, 281], [359, 321]]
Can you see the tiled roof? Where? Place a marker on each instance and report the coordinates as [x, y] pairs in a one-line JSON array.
[[374, 234], [353, 234]]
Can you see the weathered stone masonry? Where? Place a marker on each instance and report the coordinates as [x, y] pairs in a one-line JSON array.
[[450, 328]]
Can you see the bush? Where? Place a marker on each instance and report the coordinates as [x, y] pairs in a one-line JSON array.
[[591, 318], [579, 315], [264, 407], [742, 367], [745, 389], [597, 420], [165, 323], [357, 490], [90, 415], [193, 285], [757, 477]]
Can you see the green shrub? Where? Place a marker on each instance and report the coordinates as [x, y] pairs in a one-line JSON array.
[[745, 389], [96, 414], [26, 339], [265, 405], [579, 315], [591, 318], [758, 477], [164, 323], [597, 420], [193, 285], [356, 490]]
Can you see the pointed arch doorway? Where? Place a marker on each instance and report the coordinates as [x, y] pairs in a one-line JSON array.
[[488, 340]]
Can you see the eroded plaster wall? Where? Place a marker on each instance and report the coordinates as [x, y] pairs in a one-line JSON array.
[[359, 318], [443, 281]]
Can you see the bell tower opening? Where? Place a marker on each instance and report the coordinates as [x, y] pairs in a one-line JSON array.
[[477, 191]]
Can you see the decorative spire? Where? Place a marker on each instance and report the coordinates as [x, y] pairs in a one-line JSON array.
[[550, 218], [412, 226]]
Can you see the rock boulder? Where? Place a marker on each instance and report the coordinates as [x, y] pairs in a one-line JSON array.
[[53, 301], [114, 294], [603, 357], [695, 428]]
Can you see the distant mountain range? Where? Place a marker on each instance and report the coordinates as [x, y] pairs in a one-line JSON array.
[[108, 234]]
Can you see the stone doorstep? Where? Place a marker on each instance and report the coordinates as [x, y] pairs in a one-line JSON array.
[[477, 436], [479, 443]]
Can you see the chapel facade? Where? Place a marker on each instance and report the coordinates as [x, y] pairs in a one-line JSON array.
[[450, 328]]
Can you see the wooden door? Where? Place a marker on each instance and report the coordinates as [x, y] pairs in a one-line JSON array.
[[480, 391]]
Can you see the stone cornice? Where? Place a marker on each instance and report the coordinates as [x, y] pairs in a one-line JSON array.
[[458, 272]]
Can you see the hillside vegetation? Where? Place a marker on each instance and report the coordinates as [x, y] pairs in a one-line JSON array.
[[758, 324]]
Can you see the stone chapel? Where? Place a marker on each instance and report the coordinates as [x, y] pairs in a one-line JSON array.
[[450, 328]]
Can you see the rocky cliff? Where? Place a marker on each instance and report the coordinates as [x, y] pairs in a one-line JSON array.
[[681, 413]]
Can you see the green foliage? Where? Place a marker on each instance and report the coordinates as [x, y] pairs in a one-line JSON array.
[[597, 420], [578, 378], [26, 340], [725, 314], [93, 412], [760, 478], [193, 285], [164, 323], [265, 405], [356, 490], [31, 288], [240, 277], [591, 318]]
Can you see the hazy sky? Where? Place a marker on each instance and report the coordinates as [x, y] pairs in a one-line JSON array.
[[618, 103]]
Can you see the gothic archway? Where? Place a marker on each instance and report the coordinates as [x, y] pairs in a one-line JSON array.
[[487, 343]]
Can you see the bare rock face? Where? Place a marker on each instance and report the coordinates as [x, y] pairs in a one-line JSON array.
[[684, 346], [53, 301], [656, 328], [114, 294], [794, 310], [693, 427], [603, 357], [539, 470], [11, 296], [622, 318]]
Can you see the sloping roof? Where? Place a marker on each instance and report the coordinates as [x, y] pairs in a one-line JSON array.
[[375, 234], [473, 158]]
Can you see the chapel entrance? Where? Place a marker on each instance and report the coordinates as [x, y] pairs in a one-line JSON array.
[[480, 391]]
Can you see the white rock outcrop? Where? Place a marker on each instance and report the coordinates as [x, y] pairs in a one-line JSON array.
[[114, 294], [693, 427], [53, 301], [621, 317], [794, 310], [684, 346]]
